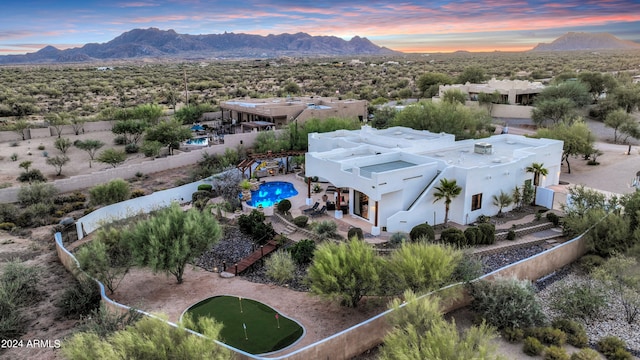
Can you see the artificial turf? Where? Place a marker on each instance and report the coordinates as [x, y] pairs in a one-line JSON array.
[[262, 332]]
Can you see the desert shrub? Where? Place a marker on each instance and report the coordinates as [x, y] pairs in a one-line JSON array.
[[301, 221], [620, 354], [302, 251], [120, 140], [37, 193], [548, 335], [19, 282], [131, 148], [35, 215], [8, 212], [482, 219], [69, 207], [326, 229], [422, 231], [32, 176], [576, 333], [75, 197], [553, 218], [12, 324], [588, 263], [280, 266], [469, 267], [7, 226], [110, 193], [488, 233], [355, 232], [511, 235], [506, 303], [79, 299], [453, 236], [555, 353], [205, 187], [532, 346], [137, 193], [284, 206], [578, 300], [398, 238], [609, 345], [513, 335], [104, 322], [585, 354], [253, 225]]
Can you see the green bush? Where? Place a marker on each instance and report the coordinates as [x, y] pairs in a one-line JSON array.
[[355, 232], [79, 299], [36, 215], [609, 345], [8, 212], [585, 354], [253, 225], [301, 221], [422, 231], [280, 266], [513, 335], [104, 322], [453, 236], [473, 235], [488, 232], [110, 193], [131, 148], [576, 333], [620, 354], [578, 300], [532, 346], [555, 353], [398, 238], [511, 235], [31, 176], [120, 140], [284, 206], [200, 195], [37, 193], [469, 267], [553, 218], [302, 251], [137, 193], [507, 303], [548, 335], [20, 282], [205, 187], [588, 263], [7, 226]]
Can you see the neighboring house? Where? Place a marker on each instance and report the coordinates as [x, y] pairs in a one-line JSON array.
[[517, 95], [387, 177], [282, 111]]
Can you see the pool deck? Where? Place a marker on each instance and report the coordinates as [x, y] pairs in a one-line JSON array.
[[298, 203]]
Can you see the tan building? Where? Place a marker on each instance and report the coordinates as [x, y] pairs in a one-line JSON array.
[[249, 114], [514, 92]]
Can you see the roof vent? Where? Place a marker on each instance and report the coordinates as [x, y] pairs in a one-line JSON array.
[[483, 148]]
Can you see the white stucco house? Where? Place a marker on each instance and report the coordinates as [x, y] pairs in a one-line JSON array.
[[387, 177]]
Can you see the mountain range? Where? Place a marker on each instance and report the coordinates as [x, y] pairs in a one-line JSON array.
[[168, 44], [574, 41], [156, 43]]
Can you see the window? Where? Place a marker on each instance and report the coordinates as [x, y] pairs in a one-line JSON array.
[[476, 202]]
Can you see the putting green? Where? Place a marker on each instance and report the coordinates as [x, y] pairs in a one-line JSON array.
[[249, 325]]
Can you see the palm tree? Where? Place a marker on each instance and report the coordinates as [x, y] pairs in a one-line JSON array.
[[503, 200], [537, 169], [447, 190], [517, 197]]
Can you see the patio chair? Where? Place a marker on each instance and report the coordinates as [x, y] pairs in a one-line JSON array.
[[322, 210], [311, 209]]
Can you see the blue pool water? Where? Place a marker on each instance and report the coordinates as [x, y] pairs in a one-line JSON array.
[[272, 192], [198, 141]]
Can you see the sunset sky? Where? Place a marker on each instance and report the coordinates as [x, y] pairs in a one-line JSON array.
[[409, 26]]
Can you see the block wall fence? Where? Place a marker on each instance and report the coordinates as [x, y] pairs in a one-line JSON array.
[[365, 335]]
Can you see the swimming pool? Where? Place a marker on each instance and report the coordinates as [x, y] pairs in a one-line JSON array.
[[271, 193], [198, 141]]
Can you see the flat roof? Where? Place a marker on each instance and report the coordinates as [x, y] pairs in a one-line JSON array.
[[366, 171]]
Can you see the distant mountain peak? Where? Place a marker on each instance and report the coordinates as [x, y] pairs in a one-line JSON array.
[[572, 41], [154, 42]]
